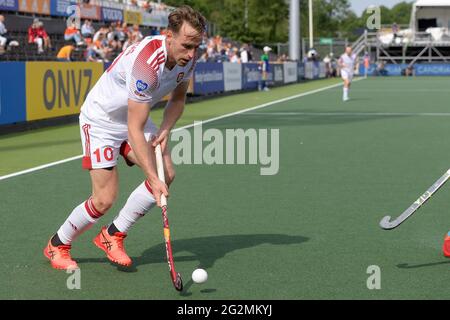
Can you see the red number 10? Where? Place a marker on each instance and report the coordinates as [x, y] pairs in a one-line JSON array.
[[108, 154]]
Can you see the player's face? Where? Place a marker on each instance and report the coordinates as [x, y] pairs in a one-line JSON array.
[[349, 51], [184, 44]]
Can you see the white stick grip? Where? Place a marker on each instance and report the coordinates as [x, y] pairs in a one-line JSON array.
[[160, 170]]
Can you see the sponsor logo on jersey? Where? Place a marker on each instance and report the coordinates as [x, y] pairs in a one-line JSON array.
[[139, 94], [180, 76], [141, 85]]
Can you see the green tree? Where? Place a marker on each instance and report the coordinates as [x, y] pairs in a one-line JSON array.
[[268, 20]]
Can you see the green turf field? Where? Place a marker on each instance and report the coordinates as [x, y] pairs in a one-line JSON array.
[[309, 232]]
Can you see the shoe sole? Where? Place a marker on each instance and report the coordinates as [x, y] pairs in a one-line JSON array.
[[108, 256]]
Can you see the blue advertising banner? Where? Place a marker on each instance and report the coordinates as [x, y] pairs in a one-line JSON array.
[[301, 71], [395, 69], [251, 75], [434, 69], [12, 92], [106, 65], [59, 7], [111, 14], [316, 70], [389, 70], [370, 71], [278, 73], [208, 78], [9, 5]]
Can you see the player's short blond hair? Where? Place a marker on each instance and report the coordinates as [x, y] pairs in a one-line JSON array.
[[186, 14]]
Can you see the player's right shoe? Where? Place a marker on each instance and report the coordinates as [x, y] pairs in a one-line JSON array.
[[113, 246], [60, 256], [446, 246]]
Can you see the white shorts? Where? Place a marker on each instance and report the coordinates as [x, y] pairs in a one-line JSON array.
[[345, 75], [102, 146]]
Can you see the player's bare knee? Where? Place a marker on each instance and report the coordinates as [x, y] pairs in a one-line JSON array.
[[104, 202]]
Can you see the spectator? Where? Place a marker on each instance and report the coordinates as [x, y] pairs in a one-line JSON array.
[[283, 58], [204, 57], [38, 35], [65, 52], [87, 30], [122, 31], [395, 29], [113, 37], [5, 39], [265, 69], [101, 48], [222, 57], [245, 54], [334, 65], [366, 63], [133, 37], [136, 34], [154, 31], [408, 71], [327, 61], [103, 30], [313, 55], [91, 54], [72, 33], [380, 70], [234, 58]]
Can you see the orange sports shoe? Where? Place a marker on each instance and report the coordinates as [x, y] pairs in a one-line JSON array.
[[113, 246], [60, 256], [446, 246]]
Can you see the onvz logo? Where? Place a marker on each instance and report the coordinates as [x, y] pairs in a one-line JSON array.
[[141, 85]]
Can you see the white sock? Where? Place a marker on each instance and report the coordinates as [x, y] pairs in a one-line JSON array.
[[345, 93], [138, 204], [81, 219]]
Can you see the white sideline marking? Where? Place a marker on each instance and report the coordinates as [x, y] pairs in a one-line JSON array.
[[185, 127], [343, 114], [39, 168]]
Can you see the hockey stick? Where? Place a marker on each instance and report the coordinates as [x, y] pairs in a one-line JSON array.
[[176, 277], [386, 222]]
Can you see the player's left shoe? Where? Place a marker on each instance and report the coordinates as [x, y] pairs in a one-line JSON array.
[[446, 246], [59, 256], [113, 246]]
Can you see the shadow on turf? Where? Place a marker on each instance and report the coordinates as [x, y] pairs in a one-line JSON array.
[[205, 250], [415, 266]]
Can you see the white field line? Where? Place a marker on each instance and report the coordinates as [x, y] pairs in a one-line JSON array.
[[356, 114], [52, 164]]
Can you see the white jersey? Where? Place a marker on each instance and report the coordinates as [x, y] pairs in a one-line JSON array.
[[349, 63], [139, 74]]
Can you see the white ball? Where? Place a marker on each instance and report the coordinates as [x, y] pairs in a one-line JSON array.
[[199, 276]]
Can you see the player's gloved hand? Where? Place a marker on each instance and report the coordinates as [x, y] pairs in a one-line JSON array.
[[158, 188]]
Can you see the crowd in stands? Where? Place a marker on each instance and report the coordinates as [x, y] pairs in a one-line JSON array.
[[89, 42], [217, 49], [103, 44], [146, 5], [5, 39]]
